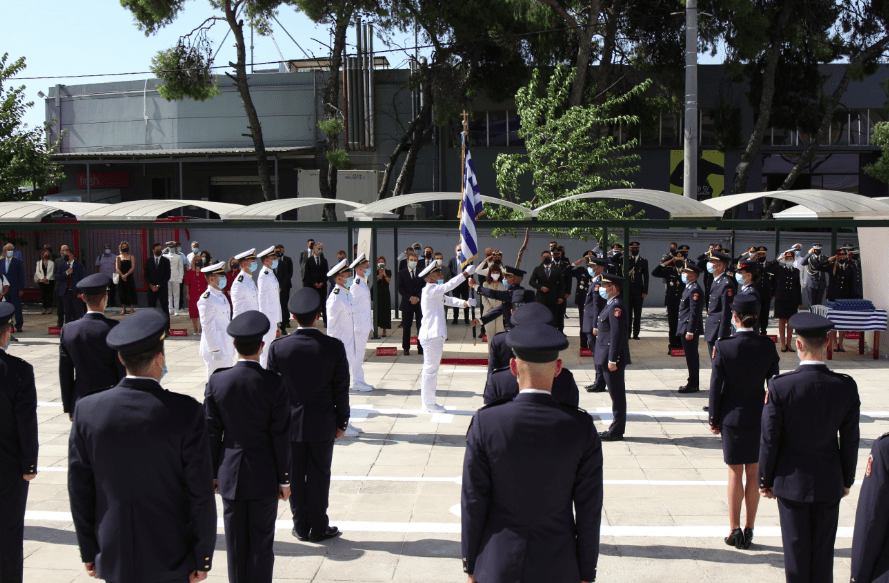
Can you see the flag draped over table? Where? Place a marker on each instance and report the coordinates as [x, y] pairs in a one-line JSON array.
[[470, 209]]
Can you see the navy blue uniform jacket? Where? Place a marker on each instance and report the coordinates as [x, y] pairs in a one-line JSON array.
[[82, 347], [316, 374], [613, 335], [248, 419], [592, 306], [532, 492], [719, 312], [741, 367], [691, 310], [503, 385], [499, 354], [140, 480], [870, 545], [799, 455], [18, 418]]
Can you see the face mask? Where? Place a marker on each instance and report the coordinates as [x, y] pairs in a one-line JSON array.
[[412, 264], [634, 252], [495, 276], [107, 251], [236, 265], [418, 251], [796, 253], [547, 260], [125, 249], [157, 253], [428, 256], [163, 373], [9, 253], [222, 282], [318, 252], [788, 262], [684, 278], [591, 271], [67, 257], [196, 250], [381, 265], [275, 264], [349, 282], [603, 293], [439, 281], [817, 251], [739, 278], [711, 267], [497, 262], [178, 249], [438, 262]]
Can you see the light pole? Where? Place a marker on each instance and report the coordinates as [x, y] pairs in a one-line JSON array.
[[690, 141]]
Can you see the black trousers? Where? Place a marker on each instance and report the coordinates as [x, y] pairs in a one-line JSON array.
[[462, 293], [634, 311], [161, 295], [600, 377], [284, 293], [410, 311], [692, 360], [558, 315], [250, 539], [583, 335], [618, 391], [765, 307], [815, 296], [112, 289], [46, 290], [13, 498], [310, 485], [673, 321], [809, 532], [71, 306]]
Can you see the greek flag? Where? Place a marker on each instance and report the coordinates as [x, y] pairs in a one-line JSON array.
[[470, 209]]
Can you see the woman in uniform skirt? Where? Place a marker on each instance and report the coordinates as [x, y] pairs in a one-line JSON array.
[[741, 365], [788, 296]]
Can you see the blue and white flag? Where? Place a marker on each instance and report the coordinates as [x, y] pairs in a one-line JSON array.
[[470, 209]]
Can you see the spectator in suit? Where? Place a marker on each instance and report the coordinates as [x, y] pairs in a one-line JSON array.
[[410, 288], [70, 272], [14, 270], [304, 257], [284, 273], [550, 285], [445, 270], [315, 275], [402, 259], [60, 310], [157, 276], [462, 290]]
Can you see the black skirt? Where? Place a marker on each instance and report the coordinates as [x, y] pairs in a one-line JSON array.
[[740, 445], [784, 308]]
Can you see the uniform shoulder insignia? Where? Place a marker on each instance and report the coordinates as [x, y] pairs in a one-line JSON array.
[[206, 295], [882, 436], [497, 402], [696, 297], [617, 312], [730, 292], [784, 374], [241, 278], [336, 290]]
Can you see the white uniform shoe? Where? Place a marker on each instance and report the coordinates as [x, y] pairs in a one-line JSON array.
[[362, 387], [433, 408], [352, 431]]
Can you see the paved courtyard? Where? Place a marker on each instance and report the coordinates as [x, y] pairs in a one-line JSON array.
[[396, 489]]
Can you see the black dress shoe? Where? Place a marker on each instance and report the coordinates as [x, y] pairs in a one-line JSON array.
[[688, 389], [706, 408], [608, 436], [302, 537], [594, 388], [635, 338], [407, 351], [420, 351], [329, 532], [748, 537], [454, 323], [735, 539]]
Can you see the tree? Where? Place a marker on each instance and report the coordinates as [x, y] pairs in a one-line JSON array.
[[186, 69], [567, 154], [880, 168], [25, 156]]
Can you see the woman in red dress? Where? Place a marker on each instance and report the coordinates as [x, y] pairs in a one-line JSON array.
[[195, 285]]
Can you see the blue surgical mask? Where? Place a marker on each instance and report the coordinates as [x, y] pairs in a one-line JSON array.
[[591, 271], [164, 373], [439, 281], [603, 293], [739, 278], [684, 277], [9, 253], [412, 264], [349, 282], [178, 249], [107, 251], [222, 282], [275, 264], [196, 251], [798, 354], [711, 267]]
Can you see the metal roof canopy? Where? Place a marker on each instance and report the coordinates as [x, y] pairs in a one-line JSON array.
[[149, 210], [677, 205], [35, 211], [801, 212], [826, 204], [387, 205], [271, 209]]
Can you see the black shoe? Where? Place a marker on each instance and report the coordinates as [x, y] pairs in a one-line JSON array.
[[635, 338], [454, 323], [420, 351], [706, 408], [689, 389], [13, 338], [735, 539], [407, 351], [466, 321], [594, 388], [329, 532], [748, 537], [608, 436], [301, 537]]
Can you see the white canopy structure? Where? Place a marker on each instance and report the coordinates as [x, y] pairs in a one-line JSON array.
[[149, 210], [678, 206], [35, 211], [826, 204], [801, 212], [271, 209], [387, 205]]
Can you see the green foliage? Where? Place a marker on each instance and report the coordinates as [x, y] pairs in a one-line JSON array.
[[727, 127], [153, 15], [332, 126], [25, 157], [339, 159], [568, 153], [880, 168], [184, 71]]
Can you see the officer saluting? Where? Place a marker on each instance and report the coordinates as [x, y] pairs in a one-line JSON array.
[[248, 419], [316, 373], [215, 313], [86, 363], [18, 449], [668, 270], [244, 294], [870, 543], [140, 477], [722, 290], [801, 462], [613, 352], [268, 297], [638, 276], [536, 514], [691, 325]]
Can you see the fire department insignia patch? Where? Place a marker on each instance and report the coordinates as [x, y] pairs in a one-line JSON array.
[[870, 466], [730, 293], [696, 297], [617, 313], [767, 396]]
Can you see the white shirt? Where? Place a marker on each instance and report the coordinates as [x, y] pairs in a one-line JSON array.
[[432, 306], [536, 391], [245, 296], [362, 313], [340, 324], [744, 330], [269, 298], [213, 310], [821, 362]]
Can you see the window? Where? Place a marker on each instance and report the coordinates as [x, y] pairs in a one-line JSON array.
[[825, 171], [490, 129]]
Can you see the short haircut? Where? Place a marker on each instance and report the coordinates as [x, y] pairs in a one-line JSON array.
[[279, 246], [438, 254], [547, 252], [428, 247], [156, 244], [138, 364], [411, 254], [340, 251], [747, 320], [310, 241], [813, 344], [93, 299], [247, 347], [306, 320]]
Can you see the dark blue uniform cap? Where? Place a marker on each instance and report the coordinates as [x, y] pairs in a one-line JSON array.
[[6, 312], [513, 271], [597, 261], [251, 325], [140, 332], [532, 313], [748, 265], [810, 325], [94, 285], [535, 342], [718, 255], [611, 278], [304, 301], [691, 267], [744, 304]]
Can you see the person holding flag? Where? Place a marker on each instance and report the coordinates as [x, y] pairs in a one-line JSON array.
[[470, 209]]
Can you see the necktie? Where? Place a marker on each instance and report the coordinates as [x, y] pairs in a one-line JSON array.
[[68, 286], [547, 271]]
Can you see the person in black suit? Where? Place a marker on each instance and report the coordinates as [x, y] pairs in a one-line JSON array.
[[509, 298], [157, 277], [870, 541], [248, 420], [140, 476], [803, 463], [304, 257], [531, 456], [741, 367], [315, 276], [316, 373], [69, 273], [613, 352], [13, 269], [284, 273], [18, 449], [690, 325], [462, 290], [578, 270], [547, 280], [86, 362], [410, 288], [560, 260], [638, 277]]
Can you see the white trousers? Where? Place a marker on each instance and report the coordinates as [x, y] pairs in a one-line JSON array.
[[268, 338], [216, 361], [357, 362], [432, 350], [173, 296]]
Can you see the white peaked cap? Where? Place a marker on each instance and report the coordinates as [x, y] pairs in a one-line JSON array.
[[213, 268], [341, 266], [429, 269], [361, 259], [251, 253], [268, 251]]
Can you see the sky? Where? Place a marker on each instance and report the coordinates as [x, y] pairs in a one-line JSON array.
[[59, 38]]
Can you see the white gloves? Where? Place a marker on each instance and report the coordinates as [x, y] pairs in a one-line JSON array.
[[469, 269], [471, 303]]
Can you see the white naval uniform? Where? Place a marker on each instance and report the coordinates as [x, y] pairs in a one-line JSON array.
[[434, 330], [177, 274], [362, 321], [217, 346], [340, 320], [269, 300], [244, 294]]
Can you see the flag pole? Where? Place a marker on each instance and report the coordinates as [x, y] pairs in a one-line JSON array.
[[465, 135]]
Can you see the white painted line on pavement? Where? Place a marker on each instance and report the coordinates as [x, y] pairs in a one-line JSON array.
[[49, 403]]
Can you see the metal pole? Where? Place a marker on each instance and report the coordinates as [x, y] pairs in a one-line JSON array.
[[89, 196], [349, 239], [276, 178], [376, 288], [395, 266], [626, 273], [777, 240], [833, 242], [690, 178], [181, 190]]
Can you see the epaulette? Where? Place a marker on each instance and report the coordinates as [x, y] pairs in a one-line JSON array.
[[882, 436], [336, 290], [206, 295], [784, 374], [17, 359], [241, 278]]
